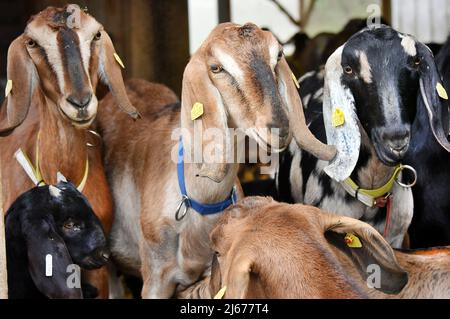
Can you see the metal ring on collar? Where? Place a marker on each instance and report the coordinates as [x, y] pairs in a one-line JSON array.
[[185, 201], [413, 171], [98, 136]]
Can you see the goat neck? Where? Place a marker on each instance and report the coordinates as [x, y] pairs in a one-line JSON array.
[[201, 188], [61, 146]]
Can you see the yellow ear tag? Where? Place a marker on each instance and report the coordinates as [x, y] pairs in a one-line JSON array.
[[119, 60], [441, 91], [295, 80], [221, 293], [8, 88], [338, 117], [197, 111], [352, 241]]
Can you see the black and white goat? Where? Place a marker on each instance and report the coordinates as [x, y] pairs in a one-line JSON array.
[[364, 102], [431, 221], [57, 221]]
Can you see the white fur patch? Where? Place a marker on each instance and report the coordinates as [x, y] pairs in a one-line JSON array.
[[295, 177], [366, 71], [229, 64], [408, 44], [54, 191], [274, 49], [46, 38]]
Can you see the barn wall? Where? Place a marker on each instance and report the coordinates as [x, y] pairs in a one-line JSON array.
[[151, 36]]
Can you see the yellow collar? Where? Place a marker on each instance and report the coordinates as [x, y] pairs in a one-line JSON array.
[[369, 196], [34, 172]]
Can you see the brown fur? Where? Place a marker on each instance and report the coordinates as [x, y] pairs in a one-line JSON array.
[[62, 141], [170, 254], [273, 250]]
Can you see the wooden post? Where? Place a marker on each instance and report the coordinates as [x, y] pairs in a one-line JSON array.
[[387, 10], [224, 11], [3, 270]]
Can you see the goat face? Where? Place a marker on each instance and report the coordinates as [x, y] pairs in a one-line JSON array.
[[267, 249], [57, 221], [79, 227], [64, 52], [241, 77], [374, 79]]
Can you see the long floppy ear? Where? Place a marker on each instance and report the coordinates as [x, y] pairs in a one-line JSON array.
[[198, 89], [367, 249], [42, 240], [436, 106], [303, 136], [215, 282], [22, 72], [238, 279], [340, 120], [111, 75]]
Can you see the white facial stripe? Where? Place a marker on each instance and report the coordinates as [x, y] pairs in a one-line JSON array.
[[46, 38], [409, 45], [88, 31], [389, 101], [274, 49], [366, 73], [229, 64]]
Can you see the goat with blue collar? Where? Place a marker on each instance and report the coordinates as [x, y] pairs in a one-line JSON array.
[[55, 221], [164, 210], [364, 103]]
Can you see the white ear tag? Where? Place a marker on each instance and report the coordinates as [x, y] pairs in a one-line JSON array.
[[48, 265]]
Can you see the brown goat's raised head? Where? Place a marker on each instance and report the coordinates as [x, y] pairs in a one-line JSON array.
[[63, 52], [241, 77]]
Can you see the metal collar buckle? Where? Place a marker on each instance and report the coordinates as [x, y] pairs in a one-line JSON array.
[[184, 201]]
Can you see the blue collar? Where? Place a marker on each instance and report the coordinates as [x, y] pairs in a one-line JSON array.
[[202, 209]]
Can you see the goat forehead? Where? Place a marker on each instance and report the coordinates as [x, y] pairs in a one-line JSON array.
[[45, 23]]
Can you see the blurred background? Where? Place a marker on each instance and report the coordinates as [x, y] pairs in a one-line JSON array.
[[156, 37]]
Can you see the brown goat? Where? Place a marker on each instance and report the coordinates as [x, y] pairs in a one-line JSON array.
[[54, 68], [242, 80], [267, 249]]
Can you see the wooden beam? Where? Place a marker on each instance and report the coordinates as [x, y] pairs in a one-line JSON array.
[[386, 10], [224, 11]]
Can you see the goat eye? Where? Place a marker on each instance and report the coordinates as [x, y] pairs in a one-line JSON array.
[[98, 35], [417, 61], [348, 69], [280, 55], [31, 43], [216, 68], [69, 225]]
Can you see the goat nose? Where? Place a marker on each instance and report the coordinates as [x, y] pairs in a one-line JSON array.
[[79, 100], [397, 141]]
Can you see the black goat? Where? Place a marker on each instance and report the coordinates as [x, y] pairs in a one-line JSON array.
[[364, 102], [55, 220], [431, 221]]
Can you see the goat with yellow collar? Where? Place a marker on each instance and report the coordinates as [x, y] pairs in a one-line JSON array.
[[364, 102]]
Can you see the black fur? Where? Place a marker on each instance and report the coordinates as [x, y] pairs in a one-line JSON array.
[[394, 73], [66, 227], [431, 222]]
